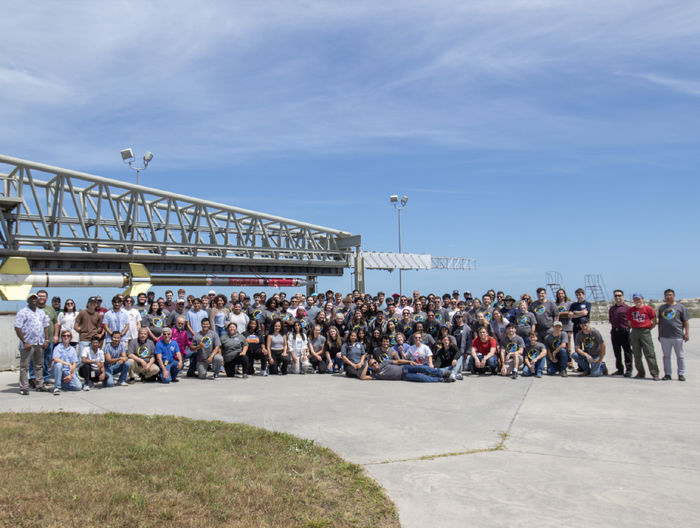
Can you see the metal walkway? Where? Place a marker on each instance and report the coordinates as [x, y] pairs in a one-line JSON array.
[[63, 220]]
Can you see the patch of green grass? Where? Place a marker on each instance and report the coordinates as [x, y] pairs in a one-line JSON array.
[[129, 470]]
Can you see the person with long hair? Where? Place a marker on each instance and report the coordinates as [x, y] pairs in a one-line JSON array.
[[564, 305], [219, 315], [256, 348], [154, 320], [353, 355], [66, 321], [498, 325], [319, 357], [277, 345], [298, 346], [334, 345]]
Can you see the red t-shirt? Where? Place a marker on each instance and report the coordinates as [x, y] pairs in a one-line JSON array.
[[482, 347], [641, 317]]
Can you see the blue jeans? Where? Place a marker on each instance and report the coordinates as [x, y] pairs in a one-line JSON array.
[[538, 367], [116, 368], [421, 373], [173, 370], [491, 364], [57, 373], [561, 363], [592, 369]]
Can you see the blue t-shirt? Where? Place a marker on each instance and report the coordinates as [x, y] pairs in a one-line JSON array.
[[65, 354], [167, 351]]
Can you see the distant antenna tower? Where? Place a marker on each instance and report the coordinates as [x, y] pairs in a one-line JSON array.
[[553, 279], [597, 295]]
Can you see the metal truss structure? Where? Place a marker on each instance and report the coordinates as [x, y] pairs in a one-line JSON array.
[[64, 220]]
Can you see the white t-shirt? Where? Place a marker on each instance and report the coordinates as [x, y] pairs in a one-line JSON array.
[[419, 354], [134, 318], [90, 354]]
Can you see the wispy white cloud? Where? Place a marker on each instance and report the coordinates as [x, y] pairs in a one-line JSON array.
[[683, 86]]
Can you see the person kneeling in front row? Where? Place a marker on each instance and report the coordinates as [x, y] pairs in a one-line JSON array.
[[65, 361], [168, 357], [92, 368]]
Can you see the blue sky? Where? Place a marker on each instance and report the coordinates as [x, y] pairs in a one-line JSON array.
[[529, 135]]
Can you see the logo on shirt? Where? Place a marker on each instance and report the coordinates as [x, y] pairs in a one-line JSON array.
[[562, 308], [540, 309], [669, 313], [142, 351], [589, 343], [257, 314], [511, 347], [158, 322], [206, 341], [488, 316], [523, 320], [418, 318], [438, 318]]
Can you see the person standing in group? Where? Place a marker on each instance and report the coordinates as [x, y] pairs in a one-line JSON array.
[[642, 319], [620, 335], [545, 313], [32, 328], [673, 330]]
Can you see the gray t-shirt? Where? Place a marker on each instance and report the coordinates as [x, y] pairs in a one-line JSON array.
[[512, 345], [317, 343], [232, 346], [524, 322], [354, 353], [145, 350], [567, 324], [671, 320], [590, 343], [388, 371], [210, 341], [545, 313], [553, 342], [534, 350]]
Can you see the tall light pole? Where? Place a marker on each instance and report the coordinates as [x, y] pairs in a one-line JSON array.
[[128, 157], [394, 199]]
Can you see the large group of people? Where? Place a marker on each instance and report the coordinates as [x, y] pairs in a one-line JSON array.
[[420, 338]]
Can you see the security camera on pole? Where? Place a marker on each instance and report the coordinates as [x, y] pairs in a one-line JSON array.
[[394, 199]]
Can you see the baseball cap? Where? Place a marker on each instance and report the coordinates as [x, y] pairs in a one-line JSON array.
[[584, 320], [637, 296], [32, 295], [212, 292], [92, 299], [558, 323], [180, 301], [455, 292], [56, 298]]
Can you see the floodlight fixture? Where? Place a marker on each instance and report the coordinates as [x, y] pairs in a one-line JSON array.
[[404, 200], [127, 154], [147, 157], [394, 198]]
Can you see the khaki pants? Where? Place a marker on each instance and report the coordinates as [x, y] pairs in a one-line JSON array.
[[35, 354], [149, 372], [641, 341]]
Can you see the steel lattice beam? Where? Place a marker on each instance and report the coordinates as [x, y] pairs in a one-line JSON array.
[[52, 214]]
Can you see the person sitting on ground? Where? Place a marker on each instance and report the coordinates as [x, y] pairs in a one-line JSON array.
[[384, 350], [168, 357], [447, 356], [256, 348], [116, 361], [234, 349], [353, 356], [65, 361], [142, 353], [511, 350], [483, 356], [298, 347], [207, 345], [590, 350], [535, 353], [557, 350], [403, 370], [92, 368], [319, 357], [419, 352]]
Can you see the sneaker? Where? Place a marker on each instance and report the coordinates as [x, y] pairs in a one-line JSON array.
[[56, 391], [24, 392], [459, 376], [264, 373], [656, 378], [41, 388], [628, 374], [681, 377], [216, 377], [174, 380], [564, 374], [538, 375], [245, 376], [514, 375], [130, 381], [618, 373], [122, 384], [453, 377], [667, 377], [86, 387]]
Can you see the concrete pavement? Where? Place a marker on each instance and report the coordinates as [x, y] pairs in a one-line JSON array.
[[484, 451]]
